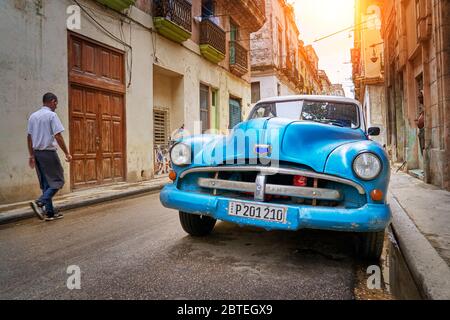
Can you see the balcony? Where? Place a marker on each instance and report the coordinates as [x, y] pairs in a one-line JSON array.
[[238, 59], [173, 19], [118, 5], [212, 41], [249, 14]]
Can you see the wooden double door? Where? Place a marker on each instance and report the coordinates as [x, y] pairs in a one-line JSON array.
[[96, 113], [96, 131]]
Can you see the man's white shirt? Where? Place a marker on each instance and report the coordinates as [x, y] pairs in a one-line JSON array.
[[43, 125]]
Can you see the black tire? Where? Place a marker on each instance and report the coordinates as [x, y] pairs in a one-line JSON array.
[[370, 245], [196, 225]]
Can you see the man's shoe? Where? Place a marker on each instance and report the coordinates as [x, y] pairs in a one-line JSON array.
[[56, 216], [37, 209]]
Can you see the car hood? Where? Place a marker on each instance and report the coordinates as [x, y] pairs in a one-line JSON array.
[[300, 142]]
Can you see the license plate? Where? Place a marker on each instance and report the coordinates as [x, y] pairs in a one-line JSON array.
[[258, 212]]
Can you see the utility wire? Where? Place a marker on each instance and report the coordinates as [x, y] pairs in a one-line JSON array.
[[111, 35], [129, 63], [352, 28], [101, 26]]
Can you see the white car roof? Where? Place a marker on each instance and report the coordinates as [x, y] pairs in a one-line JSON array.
[[310, 97]]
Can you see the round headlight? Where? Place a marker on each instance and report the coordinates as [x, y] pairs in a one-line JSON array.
[[180, 154], [367, 166]]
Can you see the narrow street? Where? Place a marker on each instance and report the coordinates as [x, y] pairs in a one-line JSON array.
[[136, 249], [258, 114]]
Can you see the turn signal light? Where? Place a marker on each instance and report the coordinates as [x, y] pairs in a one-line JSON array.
[[172, 175], [300, 181], [377, 195]]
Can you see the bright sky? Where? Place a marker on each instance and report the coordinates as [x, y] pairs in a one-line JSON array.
[[319, 18]]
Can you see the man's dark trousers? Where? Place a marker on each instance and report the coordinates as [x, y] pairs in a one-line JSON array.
[[47, 192]]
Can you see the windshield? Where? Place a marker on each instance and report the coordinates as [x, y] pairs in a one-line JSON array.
[[333, 113]]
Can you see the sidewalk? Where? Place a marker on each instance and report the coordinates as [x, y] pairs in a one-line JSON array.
[[17, 211], [421, 222]]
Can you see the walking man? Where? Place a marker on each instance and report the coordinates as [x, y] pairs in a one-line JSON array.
[[44, 135]]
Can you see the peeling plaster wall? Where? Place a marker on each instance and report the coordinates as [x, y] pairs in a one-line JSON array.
[[31, 63], [265, 54], [437, 125], [35, 61], [263, 44], [428, 56]]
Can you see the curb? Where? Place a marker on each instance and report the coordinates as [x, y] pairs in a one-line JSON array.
[[9, 217], [430, 272]]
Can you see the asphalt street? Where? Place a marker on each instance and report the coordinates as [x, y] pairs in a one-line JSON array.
[[136, 249]]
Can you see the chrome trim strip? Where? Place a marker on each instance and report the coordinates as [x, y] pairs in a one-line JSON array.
[[272, 189], [275, 170], [227, 185]]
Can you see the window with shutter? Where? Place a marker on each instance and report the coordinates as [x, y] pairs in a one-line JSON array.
[[235, 113], [214, 116], [161, 141], [204, 107], [161, 127]]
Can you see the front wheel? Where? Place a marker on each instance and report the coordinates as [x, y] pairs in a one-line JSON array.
[[370, 245], [195, 225]]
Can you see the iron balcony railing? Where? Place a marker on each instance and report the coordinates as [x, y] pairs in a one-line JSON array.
[[238, 56], [177, 11], [213, 35]]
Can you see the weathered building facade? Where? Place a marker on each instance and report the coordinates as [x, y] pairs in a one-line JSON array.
[[416, 36], [368, 64], [337, 90], [274, 54], [281, 63], [325, 83], [127, 77], [309, 62], [314, 84]]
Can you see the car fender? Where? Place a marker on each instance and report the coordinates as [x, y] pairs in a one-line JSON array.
[[340, 163]]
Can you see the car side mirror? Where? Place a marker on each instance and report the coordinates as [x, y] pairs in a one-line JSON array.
[[374, 131]]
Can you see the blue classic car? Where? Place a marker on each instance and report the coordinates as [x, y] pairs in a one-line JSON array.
[[298, 162]]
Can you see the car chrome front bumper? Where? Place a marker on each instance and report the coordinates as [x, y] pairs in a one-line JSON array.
[[369, 218], [271, 189]]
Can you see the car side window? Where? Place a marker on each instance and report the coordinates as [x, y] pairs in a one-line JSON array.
[[264, 111]]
